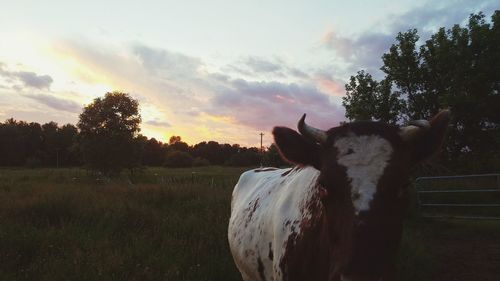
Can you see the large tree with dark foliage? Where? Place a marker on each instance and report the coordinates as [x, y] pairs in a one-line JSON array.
[[457, 68], [108, 133]]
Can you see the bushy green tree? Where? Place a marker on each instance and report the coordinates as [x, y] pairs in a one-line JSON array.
[[108, 128], [457, 68]]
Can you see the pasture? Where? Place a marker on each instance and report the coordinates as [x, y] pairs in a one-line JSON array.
[[171, 224]]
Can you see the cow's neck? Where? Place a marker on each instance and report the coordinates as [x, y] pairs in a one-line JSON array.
[[338, 218]]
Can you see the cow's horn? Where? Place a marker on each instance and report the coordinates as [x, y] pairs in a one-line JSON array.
[[311, 133], [414, 128]]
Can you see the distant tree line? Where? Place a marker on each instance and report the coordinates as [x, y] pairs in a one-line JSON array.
[[107, 140], [457, 68], [32, 144]]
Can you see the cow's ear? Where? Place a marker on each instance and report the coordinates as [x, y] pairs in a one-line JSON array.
[[295, 148], [426, 137]]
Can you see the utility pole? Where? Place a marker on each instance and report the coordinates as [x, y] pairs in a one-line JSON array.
[[261, 147]]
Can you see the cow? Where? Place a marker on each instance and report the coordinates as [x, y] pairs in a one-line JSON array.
[[338, 214]]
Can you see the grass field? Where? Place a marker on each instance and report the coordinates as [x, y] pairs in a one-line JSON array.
[[164, 224]]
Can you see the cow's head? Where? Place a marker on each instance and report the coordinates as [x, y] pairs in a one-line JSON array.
[[364, 168]]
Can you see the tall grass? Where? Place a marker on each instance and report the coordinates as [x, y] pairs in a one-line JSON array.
[[161, 224], [172, 226]]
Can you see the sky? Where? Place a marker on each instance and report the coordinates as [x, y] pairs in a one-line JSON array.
[[204, 70]]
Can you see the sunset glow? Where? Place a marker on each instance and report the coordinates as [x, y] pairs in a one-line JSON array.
[[202, 71]]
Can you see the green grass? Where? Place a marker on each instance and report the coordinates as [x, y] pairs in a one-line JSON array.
[[415, 261], [161, 224], [171, 226]]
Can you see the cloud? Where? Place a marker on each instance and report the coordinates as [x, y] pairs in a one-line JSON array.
[[204, 103], [342, 45], [33, 80], [164, 78], [56, 103], [254, 66], [428, 18], [263, 105], [158, 123], [171, 64], [364, 51], [329, 84], [257, 64], [27, 78]]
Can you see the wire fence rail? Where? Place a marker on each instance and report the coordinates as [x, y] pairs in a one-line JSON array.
[[460, 197]]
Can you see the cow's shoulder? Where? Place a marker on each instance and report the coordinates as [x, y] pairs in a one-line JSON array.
[[270, 208], [257, 180]]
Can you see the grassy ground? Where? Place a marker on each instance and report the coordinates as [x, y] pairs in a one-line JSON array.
[[170, 224], [62, 225]]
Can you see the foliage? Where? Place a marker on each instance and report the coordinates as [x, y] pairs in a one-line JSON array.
[[174, 139], [368, 99], [245, 158], [273, 158], [108, 128], [107, 141], [176, 143], [154, 153], [178, 159], [457, 68], [32, 144], [198, 162]]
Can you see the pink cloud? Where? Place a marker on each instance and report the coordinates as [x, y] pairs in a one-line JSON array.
[[342, 45], [263, 105], [329, 85]]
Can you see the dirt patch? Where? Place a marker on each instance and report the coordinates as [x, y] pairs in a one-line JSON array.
[[466, 251]]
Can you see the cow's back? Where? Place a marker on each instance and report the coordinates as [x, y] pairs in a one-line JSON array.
[[267, 209]]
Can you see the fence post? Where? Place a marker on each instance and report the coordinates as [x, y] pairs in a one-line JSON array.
[[419, 211]]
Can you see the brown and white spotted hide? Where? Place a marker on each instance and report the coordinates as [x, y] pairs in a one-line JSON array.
[[338, 214]]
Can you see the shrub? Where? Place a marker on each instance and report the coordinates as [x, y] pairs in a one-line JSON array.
[[244, 159], [199, 161], [33, 162], [178, 159]]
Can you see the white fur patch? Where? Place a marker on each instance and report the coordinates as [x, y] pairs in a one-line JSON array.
[[365, 158], [255, 229]]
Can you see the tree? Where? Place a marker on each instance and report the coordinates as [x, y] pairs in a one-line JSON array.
[[154, 153], [402, 67], [32, 144], [246, 157], [108, 127], [388, 104], [174, 139], [176, 143], [68, 148], [51, 145], [359, 100], [457, 68], [367, 99], [178, 159], [272, 157]]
